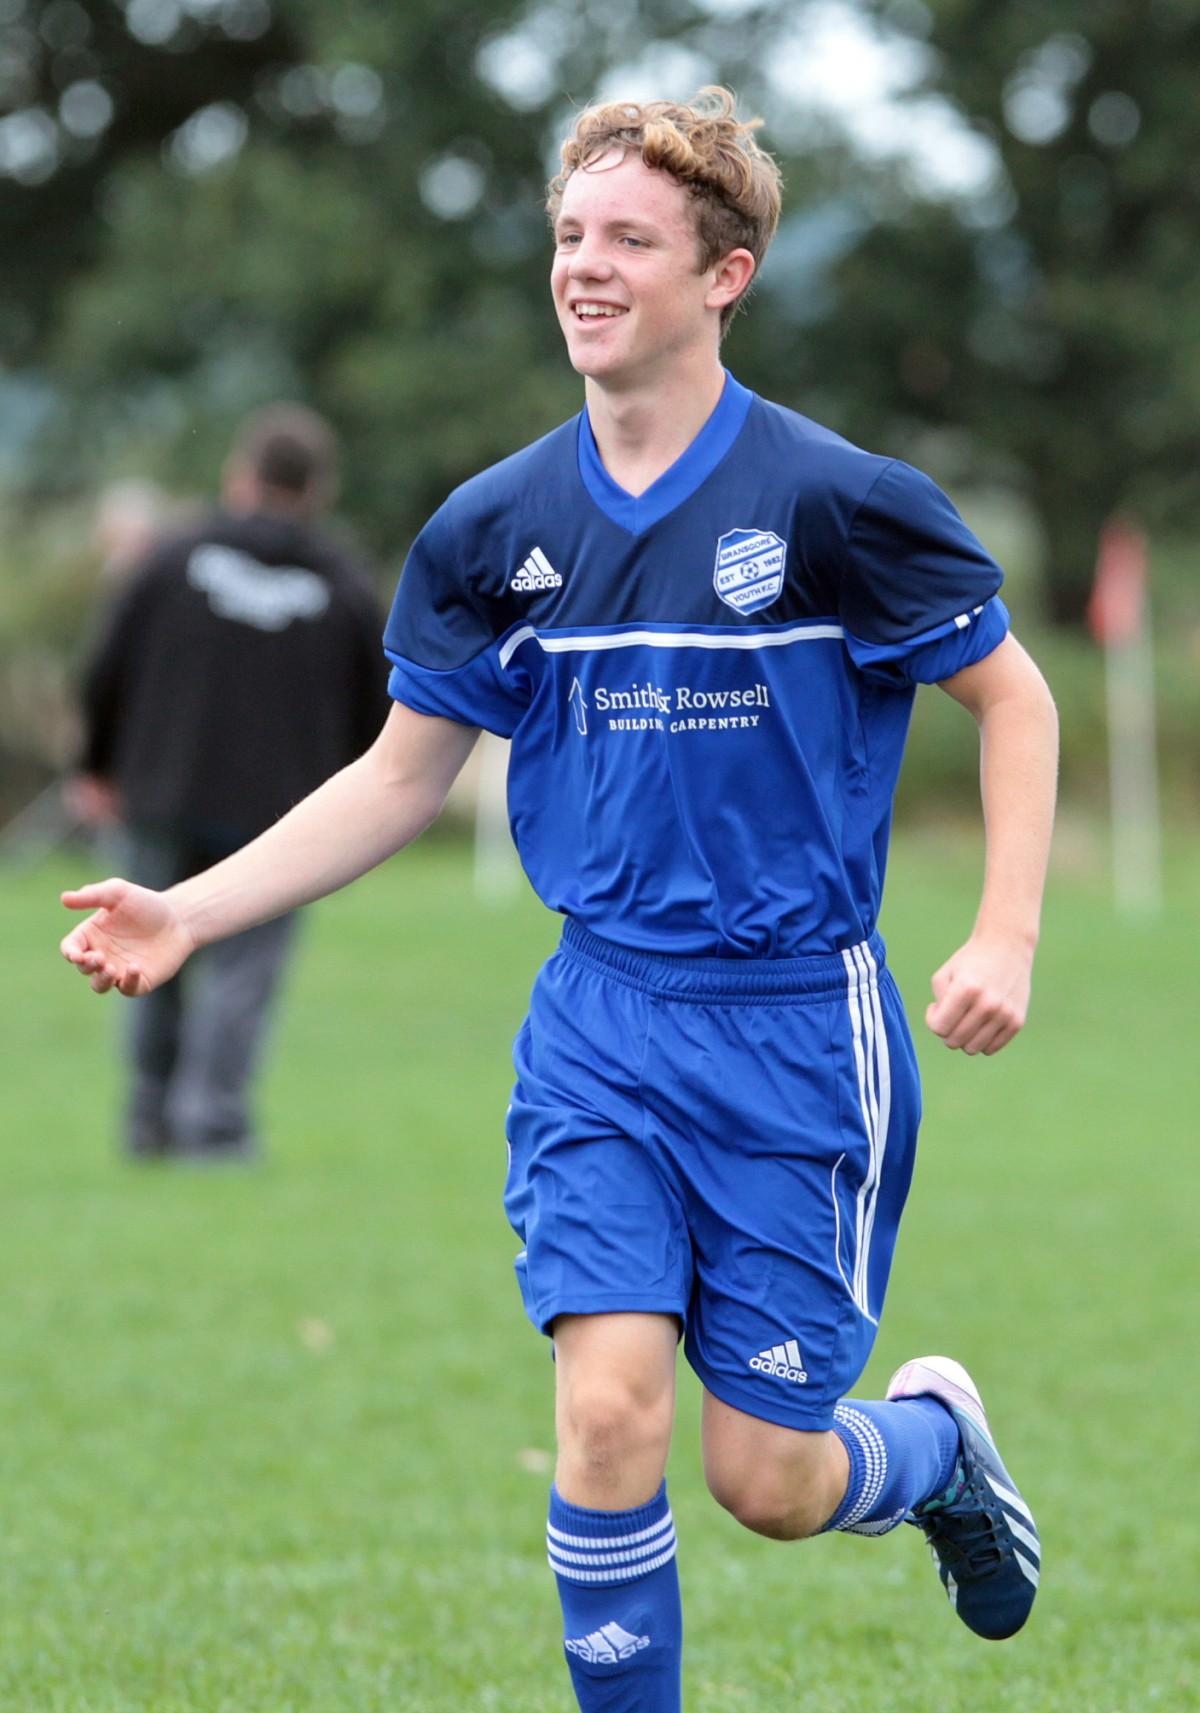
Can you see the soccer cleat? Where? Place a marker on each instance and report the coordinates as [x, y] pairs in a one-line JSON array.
[[981, 1532]]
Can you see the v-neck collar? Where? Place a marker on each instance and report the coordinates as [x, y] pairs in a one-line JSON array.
[[693, 467]]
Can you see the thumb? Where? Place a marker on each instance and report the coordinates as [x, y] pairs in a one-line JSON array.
[[100, 895], [941, 981]]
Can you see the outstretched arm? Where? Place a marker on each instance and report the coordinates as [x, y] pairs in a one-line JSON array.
[[981, 994], [137, 939]]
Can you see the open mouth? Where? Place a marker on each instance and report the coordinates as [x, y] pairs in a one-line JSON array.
[[596, 311]]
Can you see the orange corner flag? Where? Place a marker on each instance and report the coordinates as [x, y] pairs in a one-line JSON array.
[[1117, 606]]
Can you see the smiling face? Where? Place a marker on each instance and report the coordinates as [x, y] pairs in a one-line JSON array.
[[626, 280]]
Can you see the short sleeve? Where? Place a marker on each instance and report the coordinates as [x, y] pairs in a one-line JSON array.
[[443, 644], [919, 590]]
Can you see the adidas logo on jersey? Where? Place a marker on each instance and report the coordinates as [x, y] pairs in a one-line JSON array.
[[606, 1645], [536, 573], [782, 1362]]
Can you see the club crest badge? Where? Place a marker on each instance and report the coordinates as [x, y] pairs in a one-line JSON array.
[[749, 570]]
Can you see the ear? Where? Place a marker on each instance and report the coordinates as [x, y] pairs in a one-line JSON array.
[[730, 277], [238, 486]]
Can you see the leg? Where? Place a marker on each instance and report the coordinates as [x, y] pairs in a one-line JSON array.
[[606, 1266], [614, 1406], [153, 1035], [153, 1027], [777, 1481], [877, 1463], [610, 1537], [229, 1007], [795, 1187]]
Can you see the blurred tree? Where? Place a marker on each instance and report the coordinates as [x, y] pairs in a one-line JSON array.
[[83, 88], [237, 199], [1056, 318], [218, 201]]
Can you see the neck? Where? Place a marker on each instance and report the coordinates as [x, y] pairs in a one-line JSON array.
[[641, 430]]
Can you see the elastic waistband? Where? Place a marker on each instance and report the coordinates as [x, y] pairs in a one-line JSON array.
[[732, 981]]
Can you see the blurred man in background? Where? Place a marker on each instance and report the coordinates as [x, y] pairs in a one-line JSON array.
[[238, 668]]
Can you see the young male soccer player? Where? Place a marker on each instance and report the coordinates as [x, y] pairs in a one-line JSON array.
[[701, 619]]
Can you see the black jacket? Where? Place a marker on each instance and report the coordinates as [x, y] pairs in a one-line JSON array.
[[239, 667]]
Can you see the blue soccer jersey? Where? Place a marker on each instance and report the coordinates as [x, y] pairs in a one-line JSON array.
[[708, 686]]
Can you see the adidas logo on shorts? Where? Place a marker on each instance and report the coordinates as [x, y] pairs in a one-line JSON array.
[[782, 1362], [536, 573]]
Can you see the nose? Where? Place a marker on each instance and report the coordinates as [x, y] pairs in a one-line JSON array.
[[587, 261]]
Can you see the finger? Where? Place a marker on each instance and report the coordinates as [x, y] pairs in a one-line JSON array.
[[131, 983], [975, 1026], [74, 946], [101, 981], [988, 1028], [970, 1017], [945, 1014], [1006, 1033], [99, 895]]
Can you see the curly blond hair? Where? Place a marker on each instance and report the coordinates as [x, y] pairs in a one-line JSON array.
[[704, 146]]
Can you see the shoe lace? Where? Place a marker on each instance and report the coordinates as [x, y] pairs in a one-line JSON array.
[[968, 1535]]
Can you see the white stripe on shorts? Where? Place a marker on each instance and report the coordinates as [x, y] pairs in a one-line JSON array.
[[873, 1068]]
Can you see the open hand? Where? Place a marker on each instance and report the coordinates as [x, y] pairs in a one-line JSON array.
[[981, 995], [135, 941]]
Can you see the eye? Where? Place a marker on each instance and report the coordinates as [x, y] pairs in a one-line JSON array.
[[566, 239]]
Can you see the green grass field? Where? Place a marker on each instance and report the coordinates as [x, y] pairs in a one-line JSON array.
[[275, 1440]]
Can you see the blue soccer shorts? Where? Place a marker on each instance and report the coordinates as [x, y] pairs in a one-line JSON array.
[[729, 1141]]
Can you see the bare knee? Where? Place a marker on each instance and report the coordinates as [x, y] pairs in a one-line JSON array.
[[779, 1482], [772, 1501], [615, 1406], [608, 1426]]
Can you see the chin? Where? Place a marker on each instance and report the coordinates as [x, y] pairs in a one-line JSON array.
[[594, 363], [587, 363]]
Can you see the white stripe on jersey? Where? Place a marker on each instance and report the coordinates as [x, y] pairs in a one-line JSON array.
[[668, 639]]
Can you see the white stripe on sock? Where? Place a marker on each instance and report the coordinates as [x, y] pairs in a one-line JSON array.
[[647, 1550], [573, 1575], [874, 1449], [608, 1541]]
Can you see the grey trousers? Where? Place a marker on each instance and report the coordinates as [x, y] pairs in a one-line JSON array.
[[195, 1043]]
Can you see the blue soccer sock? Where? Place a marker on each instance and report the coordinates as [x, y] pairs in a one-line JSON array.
[[901, 1454], [619, 1588]]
